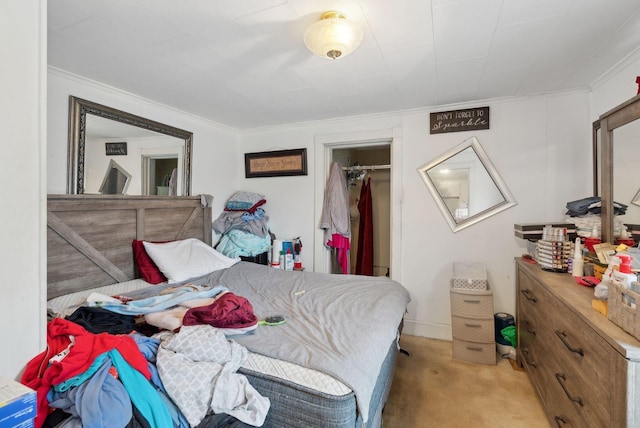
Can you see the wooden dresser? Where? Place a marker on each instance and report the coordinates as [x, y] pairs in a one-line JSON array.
[[585, 369]]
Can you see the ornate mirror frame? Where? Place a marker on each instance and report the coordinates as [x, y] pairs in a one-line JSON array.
[[481, 160], [78, 110]]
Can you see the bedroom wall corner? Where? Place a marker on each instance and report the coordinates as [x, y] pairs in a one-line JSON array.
[[23, 117]]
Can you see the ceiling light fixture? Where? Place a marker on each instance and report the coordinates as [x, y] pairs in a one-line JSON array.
[[333, 36]]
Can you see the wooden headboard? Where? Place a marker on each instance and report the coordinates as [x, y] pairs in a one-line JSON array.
[[89, 236]]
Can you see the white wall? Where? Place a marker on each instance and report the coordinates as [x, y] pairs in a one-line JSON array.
[[23, 50], [214, 145], [616, 87], [539, 145]]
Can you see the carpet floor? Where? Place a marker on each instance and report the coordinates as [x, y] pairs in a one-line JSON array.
[[431, 389]]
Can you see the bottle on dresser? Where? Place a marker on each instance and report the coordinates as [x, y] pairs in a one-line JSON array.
[[624, 277]]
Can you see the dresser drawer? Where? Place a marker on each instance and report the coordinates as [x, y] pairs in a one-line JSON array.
[[473, 329], [583, 360], [571, 358], [575, 397], [473, 305]]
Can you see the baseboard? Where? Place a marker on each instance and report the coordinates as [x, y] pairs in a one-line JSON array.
[[433, 331]]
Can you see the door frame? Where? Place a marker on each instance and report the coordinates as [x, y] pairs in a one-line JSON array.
[[324, 146]]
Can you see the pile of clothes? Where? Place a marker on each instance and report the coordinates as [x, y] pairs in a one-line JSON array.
[[585, 214], [99, 371], [244, 226], [592, 205]]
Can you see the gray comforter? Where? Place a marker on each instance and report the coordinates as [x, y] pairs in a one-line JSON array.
[[341, 325]]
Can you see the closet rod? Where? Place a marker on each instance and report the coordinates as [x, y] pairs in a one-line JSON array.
[[365, 167]]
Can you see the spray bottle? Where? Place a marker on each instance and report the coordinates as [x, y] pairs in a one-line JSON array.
[[577, 266], [623, 276]]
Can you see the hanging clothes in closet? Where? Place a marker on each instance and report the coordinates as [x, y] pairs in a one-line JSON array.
[[335, 219], [364, 259]]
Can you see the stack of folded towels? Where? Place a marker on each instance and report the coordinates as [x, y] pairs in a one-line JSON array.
[[244, 226]]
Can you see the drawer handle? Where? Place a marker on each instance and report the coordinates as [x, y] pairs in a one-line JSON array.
[[529, 295], [472, 325], [561, 380], [474, 348], [525, 351], [470, 301], [560, 420], [529, 330], [563, 337]]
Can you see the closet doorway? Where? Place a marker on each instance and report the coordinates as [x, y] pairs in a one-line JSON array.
[[368, 167], [327, 149]]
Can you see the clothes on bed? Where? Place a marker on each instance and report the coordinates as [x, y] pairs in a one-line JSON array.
[[339, 325], [161, 302], [100, 400], [71, 350], [100, 320], [96, 396], [228, 311], [200, 356]]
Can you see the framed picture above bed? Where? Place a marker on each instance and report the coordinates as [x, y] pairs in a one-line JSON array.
[[276, 163]]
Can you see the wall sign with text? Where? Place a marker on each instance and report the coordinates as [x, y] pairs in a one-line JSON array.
[[276, 163], [115, 149], [459, 120]]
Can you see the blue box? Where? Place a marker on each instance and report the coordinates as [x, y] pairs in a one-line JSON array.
[[17, 404]]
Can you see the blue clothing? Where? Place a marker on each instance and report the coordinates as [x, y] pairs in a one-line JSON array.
[[162, 302], [142, 394], [258, 214], [238, 243], [79, 395], [99, 401], [149, 348]]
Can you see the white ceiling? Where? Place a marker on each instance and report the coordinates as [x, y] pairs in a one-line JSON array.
[[243, 63]]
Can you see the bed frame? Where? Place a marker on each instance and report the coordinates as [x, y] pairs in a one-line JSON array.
[[89, 245], [89, 236]]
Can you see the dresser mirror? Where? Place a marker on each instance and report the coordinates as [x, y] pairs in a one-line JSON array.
[[618, 140], [151, 158], [465, 185]]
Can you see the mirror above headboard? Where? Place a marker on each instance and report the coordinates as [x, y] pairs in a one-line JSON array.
[[156, 155], [616, 125]]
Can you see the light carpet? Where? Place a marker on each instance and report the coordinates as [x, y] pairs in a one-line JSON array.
[[431, 389]]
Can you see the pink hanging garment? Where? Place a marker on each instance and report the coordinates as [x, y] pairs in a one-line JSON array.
[[364, 258], [341, 246]]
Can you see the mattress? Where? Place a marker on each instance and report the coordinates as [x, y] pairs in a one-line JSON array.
[[299, 395], [259, 365]]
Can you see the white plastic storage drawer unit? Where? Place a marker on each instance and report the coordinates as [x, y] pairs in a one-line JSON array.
[[472, 319]]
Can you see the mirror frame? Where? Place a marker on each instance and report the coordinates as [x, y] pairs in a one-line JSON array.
[[115, 165], [78, 110], [618, 116], [472, 142]]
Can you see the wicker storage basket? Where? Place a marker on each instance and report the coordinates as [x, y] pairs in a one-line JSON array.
[[624, 309], [469, 276]]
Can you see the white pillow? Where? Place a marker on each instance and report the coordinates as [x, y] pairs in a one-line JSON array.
[[187, 258]]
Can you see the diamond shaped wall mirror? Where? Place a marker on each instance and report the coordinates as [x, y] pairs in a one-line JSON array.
[[465, 185]]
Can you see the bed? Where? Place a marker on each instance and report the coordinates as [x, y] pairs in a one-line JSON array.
[[329, 365]]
